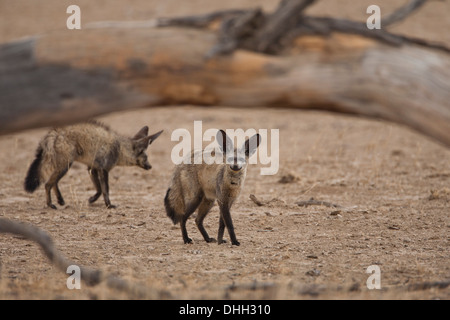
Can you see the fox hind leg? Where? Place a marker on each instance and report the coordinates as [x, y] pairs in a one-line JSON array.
[[203, 209], [48, 189], [93, 173], [189, 211], [104, 184], [51, 183], [58, 194]]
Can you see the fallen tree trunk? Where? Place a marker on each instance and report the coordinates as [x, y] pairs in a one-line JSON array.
[[69, 76]]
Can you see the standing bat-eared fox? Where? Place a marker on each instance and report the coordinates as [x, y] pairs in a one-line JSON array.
[[93, 144], [199, 185]]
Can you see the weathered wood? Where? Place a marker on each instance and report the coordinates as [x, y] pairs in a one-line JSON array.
[[59, 79], [35, 93], [286, 17], [325, 26], [253, 30], [403, 12], [235, 31], [199, 21]]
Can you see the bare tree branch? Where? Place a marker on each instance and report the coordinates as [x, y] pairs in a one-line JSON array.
[[402, 13], [91, 277], [199, 21], [271, 33], [236, 30], [286, 17], [326, 25]]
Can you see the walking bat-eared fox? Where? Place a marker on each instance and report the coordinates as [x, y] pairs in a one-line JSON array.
[[93, 144], [199, 185]]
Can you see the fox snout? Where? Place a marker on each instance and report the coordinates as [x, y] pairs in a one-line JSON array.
[[236, 167], [146, 166], [142, 162], [236, 163], [140, 143]]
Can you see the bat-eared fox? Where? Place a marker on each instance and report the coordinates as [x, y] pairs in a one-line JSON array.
[[199, 185], [92, 144]]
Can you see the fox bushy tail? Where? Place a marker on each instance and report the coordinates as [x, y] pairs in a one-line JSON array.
[[33, 179], [170, 210]]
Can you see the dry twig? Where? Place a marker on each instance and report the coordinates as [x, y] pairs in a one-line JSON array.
[[313, 202], [91, 277], [256, 201]]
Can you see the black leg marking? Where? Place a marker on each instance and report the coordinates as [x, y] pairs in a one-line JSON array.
[[189, 211], [104, 183], [203, 209], [184, 233], [53, 183], [58, 194], [93, 174], [226, 217], [220, 239]]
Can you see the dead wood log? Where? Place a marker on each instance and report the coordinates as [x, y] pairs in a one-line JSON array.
[[65, 77]]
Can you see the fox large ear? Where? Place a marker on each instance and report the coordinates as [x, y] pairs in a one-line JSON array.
[[224, 141], [141, 134], [143, 143], [251, 145], [153, 137]]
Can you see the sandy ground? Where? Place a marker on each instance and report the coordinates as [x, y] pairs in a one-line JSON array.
[[392, 186]]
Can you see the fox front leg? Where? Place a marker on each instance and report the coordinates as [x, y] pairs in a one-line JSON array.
[[225, 216], [203, 209], [220, 239], [184, 233]]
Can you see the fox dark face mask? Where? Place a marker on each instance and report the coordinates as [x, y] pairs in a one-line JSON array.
[[140, 145]]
